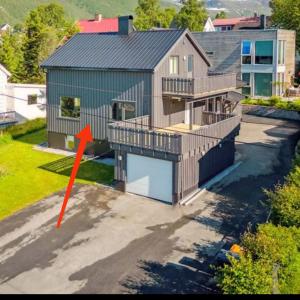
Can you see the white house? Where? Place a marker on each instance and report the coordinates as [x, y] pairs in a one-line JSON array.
[[26, 100], [209, 25]]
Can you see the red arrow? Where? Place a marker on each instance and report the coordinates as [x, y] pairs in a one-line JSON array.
[[85, 136]]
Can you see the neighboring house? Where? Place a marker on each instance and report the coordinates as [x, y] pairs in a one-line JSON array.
[[4, 28], [99, 24], [242, 23], [20, 102], [264, 59], [209, 26], [149, 97]]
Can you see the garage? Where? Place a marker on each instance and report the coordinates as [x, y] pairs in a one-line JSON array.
[[149, 177]]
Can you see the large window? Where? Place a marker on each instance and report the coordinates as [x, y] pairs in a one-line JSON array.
[[123, 111], [263, 84], [281, 52], [246, 90], [264, 52], [174, 65], [70, 107], [246, 53]]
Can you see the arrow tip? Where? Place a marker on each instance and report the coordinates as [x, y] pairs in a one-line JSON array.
[[85, 134]]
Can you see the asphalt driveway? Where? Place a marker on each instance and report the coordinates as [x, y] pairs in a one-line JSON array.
[[111, 242]]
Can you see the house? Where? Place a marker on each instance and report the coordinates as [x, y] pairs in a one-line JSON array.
[[209, 26], [242, 23], [264, 59], [98, 24], [20, 102], [148, 96], [5, 28]]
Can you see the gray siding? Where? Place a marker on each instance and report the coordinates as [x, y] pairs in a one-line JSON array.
[[182, 49], [96, 90]]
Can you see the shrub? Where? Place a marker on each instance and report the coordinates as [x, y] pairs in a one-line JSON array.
[[275, 101], [20, 130], [4, 138], [270, 246]]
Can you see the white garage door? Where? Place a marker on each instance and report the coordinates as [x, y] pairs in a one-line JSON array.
[[149, 177]]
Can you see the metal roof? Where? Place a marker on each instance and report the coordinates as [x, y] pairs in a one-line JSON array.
[[140, 50]]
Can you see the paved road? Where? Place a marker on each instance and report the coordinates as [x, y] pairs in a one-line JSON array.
[[112, 242]]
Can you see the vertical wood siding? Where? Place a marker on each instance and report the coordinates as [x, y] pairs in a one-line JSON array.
[[96, 90]]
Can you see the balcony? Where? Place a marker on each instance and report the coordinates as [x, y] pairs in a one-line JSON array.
[[7, 118], [176, 139], [197, 87]]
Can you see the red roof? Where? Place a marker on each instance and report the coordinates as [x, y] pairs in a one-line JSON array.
[[105, 25], [235, 21]]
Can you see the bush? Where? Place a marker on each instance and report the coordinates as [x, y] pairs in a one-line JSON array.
[[20, 130], [269, 247]]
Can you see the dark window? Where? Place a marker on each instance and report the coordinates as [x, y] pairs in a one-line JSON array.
[[209, 53], [190, 63], [246, 60], [246, 90], [123, 111], [70, 107], [32, 99], [263, 84], [264, 52]]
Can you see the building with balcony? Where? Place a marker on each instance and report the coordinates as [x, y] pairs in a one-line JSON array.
[[148, 96], [263, 59]]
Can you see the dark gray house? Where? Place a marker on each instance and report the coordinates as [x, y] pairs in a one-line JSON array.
[[150, 98]]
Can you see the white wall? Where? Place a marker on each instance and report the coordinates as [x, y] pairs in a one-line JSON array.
[[18, 100], [3, 83]]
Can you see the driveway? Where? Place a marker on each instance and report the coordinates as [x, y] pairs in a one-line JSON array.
[[112, 242]]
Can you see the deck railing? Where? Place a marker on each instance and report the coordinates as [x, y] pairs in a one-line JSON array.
[[209, 118], [198, 86], [7, 117], [137, 133]]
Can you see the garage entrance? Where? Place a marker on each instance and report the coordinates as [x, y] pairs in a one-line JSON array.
[[150, 177]]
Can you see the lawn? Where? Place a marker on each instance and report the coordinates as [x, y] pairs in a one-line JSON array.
[[25, 176]]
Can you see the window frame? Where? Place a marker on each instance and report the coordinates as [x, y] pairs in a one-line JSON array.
[[171, 65], [281, 55], [123, 112], [248, 54], [60, 107], [30, 101], [254, 50], [191, 56]]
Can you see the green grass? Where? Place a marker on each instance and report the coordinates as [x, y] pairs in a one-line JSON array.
[[276, 102], [24, 182]]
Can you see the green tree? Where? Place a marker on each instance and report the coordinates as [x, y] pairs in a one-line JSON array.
[[286, 14], [221, 15], [192, 15], [149, 14]]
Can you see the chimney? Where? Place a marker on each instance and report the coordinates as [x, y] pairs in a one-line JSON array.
[[263, 21], [98, 17], [125, 25]]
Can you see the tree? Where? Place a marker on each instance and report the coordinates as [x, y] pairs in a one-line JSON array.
[[149, 14], [285, 14], [221, 15], [192, 15]]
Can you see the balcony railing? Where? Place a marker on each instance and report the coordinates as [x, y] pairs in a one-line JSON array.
[[137, 133], [197, 86], [7, 118]]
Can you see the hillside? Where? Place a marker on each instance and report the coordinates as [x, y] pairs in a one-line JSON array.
[[14, 11]]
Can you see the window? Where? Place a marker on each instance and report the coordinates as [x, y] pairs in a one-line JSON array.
[[70, 107], [174, 65], [123, 111], [280, 84], [32, 99], [263, 84], [209, 53], [246, 53], [281, 52], [70, 142], [190, 63], [246, 90], [264, 52]]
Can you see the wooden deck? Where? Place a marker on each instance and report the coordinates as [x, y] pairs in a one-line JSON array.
[[179, 128]]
